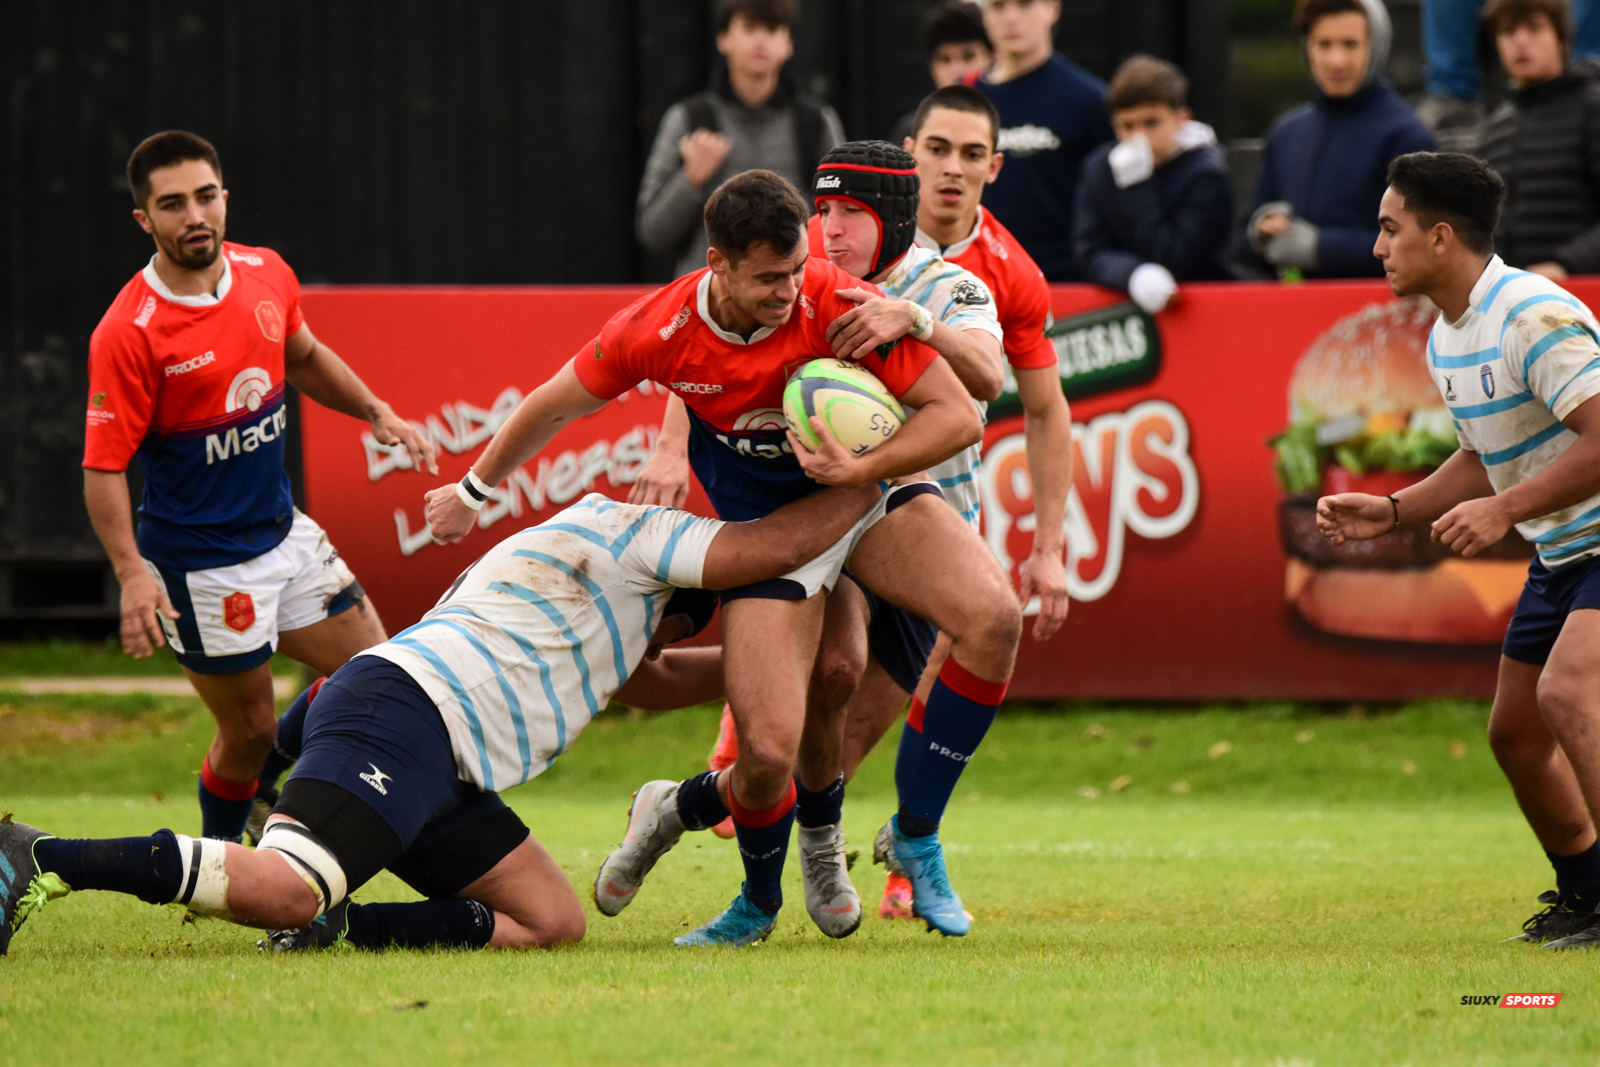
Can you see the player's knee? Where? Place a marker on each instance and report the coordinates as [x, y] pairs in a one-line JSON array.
[[1561, 696], [838, 674], [558, 926]]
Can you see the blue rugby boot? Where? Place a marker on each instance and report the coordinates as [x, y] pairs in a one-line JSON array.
[[920, 860], [742, 924], [325, 931], [24, 889]]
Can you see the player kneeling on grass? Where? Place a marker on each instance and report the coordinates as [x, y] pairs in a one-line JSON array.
[[1517, 360], [404, 747]]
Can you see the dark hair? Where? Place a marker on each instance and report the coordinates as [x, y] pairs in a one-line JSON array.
[[954, 22], [958, 98], [1307, 12], [1503, 16], [757, 205], [1451, 187], [773, 14], [1146, 80], [165, 149]]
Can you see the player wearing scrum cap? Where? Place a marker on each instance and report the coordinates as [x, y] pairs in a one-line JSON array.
[[187, 371], [404, 748], [1517, 361]]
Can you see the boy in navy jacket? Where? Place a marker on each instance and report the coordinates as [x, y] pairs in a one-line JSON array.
[[1156, 208]]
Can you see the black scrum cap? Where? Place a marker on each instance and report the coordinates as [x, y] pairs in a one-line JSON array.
[[881, 178]]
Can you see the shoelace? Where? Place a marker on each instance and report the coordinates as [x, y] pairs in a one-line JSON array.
[[1556, 908], [42, 890]]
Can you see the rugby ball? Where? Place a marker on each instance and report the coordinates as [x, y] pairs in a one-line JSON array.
[[849, 399]]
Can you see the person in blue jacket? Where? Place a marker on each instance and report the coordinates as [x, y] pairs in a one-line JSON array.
[[1052, 115], [1156, 208], [1324, 163]]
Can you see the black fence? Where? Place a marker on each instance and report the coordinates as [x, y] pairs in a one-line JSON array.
[[382, 141]]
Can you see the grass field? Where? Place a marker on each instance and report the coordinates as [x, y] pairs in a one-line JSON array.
[[1259, 885]]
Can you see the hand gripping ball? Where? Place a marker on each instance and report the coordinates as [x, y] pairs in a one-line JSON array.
[[849, 399]]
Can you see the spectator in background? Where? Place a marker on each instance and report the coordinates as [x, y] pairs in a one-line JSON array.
[[1051, 117], [1155, 209], [957, 47], [751, 118], [1324, 164], [1544, 140]]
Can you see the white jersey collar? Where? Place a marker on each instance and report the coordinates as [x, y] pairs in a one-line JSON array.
[[1493, 271], [895, 278], [204, 300], [702, 301], [952, 251]]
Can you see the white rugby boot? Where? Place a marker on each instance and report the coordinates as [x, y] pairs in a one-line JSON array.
[[831, 898], [653, 828]]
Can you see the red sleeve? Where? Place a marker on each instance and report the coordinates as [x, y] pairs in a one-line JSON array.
[[814, 238], [906, 360], [614, 362], [1023, 318], [122, 397]]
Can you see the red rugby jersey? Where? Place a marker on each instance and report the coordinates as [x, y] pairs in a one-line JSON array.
[[194, 387], [1021, 295], [733, 385]]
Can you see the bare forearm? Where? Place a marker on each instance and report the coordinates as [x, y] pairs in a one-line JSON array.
[[1571, 479], [1459, 478], [325, 378], [936, 432], [537, 420], [679, 678], [1047, 435], [674, 428], [105, 494], [974, 355]]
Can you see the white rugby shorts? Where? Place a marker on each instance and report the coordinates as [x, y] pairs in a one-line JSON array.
[[820, 575], [229, 617]]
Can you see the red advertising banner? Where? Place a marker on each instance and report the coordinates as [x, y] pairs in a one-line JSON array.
[[1177, 526]]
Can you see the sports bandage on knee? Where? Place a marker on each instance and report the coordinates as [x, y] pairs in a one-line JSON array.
[[316, 866], [204, 884]]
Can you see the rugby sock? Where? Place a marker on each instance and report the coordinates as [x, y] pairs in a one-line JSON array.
[[763, 845], [291, 733], [446, 922], [1578, 877], [699, 806], [156, 869], [822, 808], [905, 761], [959, 712], [224, 805]]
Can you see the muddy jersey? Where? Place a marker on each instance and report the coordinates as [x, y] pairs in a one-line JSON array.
[[194, 386], [732, 383]]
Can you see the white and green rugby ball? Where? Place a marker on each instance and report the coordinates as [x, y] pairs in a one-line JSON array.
[[849, 399]]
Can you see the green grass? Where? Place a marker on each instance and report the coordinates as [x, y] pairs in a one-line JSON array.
[[44, 659], [1326, 900]]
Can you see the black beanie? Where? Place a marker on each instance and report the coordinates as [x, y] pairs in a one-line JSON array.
[[881, 178]]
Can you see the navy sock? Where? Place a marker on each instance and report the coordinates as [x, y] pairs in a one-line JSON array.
[[960, 711], [1578, 877], [146, 867], [905, 761], [445, 922], [700, 807], [823, 808], [291, 734], [224, 804], [764, 845]]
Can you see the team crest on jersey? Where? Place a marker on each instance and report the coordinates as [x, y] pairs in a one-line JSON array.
[[98, 399], [238, 611], [1486, 376], [967, 291], [270, 320]]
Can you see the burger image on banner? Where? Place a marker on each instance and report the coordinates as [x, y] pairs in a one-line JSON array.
[[1366, 417]]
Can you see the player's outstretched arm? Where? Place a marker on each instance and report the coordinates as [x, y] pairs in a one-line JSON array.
[[537, 420], [105, 493], [974, 355], [946, 422], [1362, 516], [1474, 525], [318, 372], [1047, 434], [665, 478], [792, 536]]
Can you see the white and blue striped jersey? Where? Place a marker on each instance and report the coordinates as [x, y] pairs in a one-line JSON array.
[[958, 298], [536, 636], [1521, 358]]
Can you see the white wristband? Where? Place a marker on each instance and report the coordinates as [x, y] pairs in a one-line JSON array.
[[477, 483], [921, 322], [467, 498]]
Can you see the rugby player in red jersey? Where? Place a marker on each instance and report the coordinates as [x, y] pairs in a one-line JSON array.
[[187, 371], [724, 340]]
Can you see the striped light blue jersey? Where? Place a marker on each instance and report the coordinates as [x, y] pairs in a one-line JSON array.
[[1521, 358], [959, 299], [536, 636]]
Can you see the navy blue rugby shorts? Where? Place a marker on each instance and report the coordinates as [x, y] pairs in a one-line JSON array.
[[1548, 597]]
